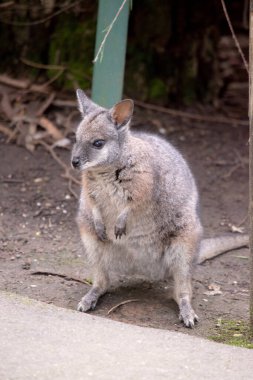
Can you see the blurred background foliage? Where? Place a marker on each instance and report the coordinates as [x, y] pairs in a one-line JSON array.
[[179, 51]]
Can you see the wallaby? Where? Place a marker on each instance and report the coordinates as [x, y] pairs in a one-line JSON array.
[[138, 206]]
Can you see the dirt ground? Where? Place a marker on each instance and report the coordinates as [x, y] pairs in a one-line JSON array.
[[38, 230]]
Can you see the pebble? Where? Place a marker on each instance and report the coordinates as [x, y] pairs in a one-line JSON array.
[[26, 266]]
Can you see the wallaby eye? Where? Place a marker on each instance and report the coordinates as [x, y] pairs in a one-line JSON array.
[[98, 143]]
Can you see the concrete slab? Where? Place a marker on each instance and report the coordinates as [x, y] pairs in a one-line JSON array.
[[40, 341]]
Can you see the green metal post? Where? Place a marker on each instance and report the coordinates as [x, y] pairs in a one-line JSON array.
[[108, 74]]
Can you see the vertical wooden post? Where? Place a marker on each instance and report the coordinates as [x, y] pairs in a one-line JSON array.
[[108, 75], [251, 158]]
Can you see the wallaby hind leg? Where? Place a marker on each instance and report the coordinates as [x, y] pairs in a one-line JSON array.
[[99, 287], [180, 257]]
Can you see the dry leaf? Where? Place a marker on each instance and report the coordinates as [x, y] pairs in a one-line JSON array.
[[63, 143], [51, 128], [214, 290], [234, 228]]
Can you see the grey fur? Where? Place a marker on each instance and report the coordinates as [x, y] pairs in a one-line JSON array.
[[138, 205]]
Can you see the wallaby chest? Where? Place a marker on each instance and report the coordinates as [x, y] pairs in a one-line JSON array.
[[107, 192]]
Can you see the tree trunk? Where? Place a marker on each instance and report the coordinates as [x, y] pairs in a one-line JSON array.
[[251, 160]]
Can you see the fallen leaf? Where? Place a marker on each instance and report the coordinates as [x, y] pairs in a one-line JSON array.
[[62, 143], [233, 228], [214, 290]]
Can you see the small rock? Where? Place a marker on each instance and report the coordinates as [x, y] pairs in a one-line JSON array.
[[26, 266]]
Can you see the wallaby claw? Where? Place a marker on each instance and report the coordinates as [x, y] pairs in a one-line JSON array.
[[101, 232], [119, 231], [87, 303], [189, 320]]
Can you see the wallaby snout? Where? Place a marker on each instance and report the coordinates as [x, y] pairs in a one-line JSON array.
[[76, 162]]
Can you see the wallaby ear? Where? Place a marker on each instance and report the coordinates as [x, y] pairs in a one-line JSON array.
[[85, 104], [122, 112]]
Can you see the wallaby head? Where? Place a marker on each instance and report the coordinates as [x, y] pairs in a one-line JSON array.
[[101, 133]]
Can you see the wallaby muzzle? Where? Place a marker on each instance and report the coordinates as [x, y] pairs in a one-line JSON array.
[[76, 162]]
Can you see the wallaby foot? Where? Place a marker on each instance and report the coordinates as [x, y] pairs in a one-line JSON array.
[[100, 286], [180, 257], [187, 314], [89, 301]]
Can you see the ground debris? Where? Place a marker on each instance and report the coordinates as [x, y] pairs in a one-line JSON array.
[[214, 290], [120, 304]]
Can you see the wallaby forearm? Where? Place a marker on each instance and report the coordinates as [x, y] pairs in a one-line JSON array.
[[98, 223], [121, 222]]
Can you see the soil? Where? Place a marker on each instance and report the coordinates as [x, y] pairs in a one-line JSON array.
[[38, 230]]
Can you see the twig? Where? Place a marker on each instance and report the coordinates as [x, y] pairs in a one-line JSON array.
[[41, 65], [239, 163], [109, 30], [7, 4], [232, 170], [46, 67], [11, 180], [120, 304], [67, 174], [50, 127], [56, 76], [243, 220], [169, 111], [188, 115], [71, 190], [6, 131], [23, 84], [13, 133], [68, 278], [41, 21], [65, 103], [73, 179], [246, 65], [46, 104]]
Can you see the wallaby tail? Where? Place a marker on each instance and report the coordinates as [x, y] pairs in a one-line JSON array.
[[213, 247]]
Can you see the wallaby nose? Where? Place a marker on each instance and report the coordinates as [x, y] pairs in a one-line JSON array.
[[76, 162]]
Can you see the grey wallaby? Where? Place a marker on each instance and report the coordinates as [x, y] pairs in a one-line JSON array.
[[138, 209]]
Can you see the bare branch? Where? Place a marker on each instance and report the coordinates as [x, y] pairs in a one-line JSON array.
[[234, 36]]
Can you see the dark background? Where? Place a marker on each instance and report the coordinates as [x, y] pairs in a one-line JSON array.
[[179, 52]]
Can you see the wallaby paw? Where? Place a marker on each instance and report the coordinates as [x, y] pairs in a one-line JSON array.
[[86, 304], [189, 318], [101, 232], [119, 231]]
